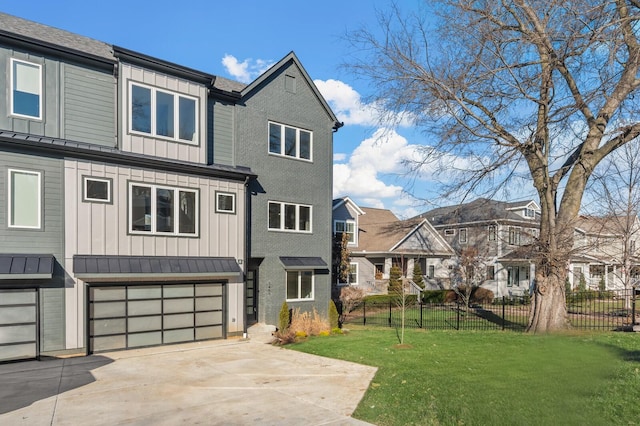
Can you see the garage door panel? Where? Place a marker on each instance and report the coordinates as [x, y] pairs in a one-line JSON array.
[[19, 351], [108, 343], [177, 336], [144, 292], [149, 315], [17, 297], [16, 314], [208, 318], [101, 327], [208, 303], [172, 306], [144, 307], [108, 309], [17, 333], [178, 291], [214, 332], [145, 323], [99, 294], [145, 339]]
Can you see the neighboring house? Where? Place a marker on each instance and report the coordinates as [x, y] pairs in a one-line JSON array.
[[604, 248], [126, 216], [501, 232], [378, 240]]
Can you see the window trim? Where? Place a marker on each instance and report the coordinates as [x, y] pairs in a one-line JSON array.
[[462, 236], [154, 187], [10, 217], [493, 232], [449, 232], [86, 199], [354, 233], [297, 219], [11, 85], [299, 273], [353, 264], [282, 142], [515, 235], [176, 113], [431, 271], [229, 194]]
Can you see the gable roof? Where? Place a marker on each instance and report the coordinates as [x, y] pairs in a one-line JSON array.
[[292, 58], [347, 201], [381, 231], [479, 210]]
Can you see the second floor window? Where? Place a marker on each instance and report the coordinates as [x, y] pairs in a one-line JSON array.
[[493, 232], [341, 226], [289, 141], [26, 89], [289, 217], [163, 114], [463, 235], [162, 210], [515, 235]]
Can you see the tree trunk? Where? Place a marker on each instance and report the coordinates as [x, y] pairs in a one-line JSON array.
[[549, 308]]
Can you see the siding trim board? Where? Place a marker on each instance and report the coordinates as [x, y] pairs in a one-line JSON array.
[[84, 151]]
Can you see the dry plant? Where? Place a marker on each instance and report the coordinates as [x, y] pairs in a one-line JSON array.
[[305, 324]]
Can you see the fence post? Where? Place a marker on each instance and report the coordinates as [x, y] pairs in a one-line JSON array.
[[421, 307], [389, 312], [503, 312], [457, 316], [633, 307], [364, 312]]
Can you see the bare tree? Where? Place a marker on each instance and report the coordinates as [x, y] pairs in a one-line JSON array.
[[615, 194], [539, 90], [468, 273]]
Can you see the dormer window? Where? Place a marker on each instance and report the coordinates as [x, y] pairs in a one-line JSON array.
[[529, 213]]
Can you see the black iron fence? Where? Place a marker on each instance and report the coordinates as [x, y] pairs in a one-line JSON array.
[[609, 310]]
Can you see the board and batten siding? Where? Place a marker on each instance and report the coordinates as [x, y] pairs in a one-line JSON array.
[[47, 240], [78, 103], [102, 229], [158, 147]]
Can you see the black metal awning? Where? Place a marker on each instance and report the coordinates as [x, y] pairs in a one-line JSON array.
[[145, 268], [303, 262], [26, 266]]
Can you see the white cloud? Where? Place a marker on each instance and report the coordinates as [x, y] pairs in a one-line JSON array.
[[339, 156], [247, 70], [347, 104]]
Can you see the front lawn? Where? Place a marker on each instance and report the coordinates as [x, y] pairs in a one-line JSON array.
[[492, 377]]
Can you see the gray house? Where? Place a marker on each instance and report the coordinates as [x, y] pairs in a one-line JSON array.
[[286, 138], [127, 206]]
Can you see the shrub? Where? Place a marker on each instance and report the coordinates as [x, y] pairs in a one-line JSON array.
[[284, 318], [478, 295], [417, 275], [350, 298], [433, 296], [395, 281], [336, 330], [333, 315], [309, 323]]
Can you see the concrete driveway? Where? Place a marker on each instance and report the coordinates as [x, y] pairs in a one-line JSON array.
[[229, 382]]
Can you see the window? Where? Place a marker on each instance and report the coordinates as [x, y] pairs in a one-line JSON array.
[[289, 217], [353, 273], [530, 213], [26, 89], [164, 114], [299, 285], [493, 232], [513, 276], [514, 235], [289, 141], [632, 246], [348, 227], [162, 210], [432, 271], [225, 202], [491, 272], [462, 237], [25, 199], [97, 190], [449, 232]]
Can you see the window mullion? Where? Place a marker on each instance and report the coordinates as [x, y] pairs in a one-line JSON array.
[[154, 129], [299, 285], [282, 141], [154, 213], [176, 117]]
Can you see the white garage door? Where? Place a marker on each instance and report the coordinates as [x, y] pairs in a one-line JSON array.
[[18, 324], [130, 316]]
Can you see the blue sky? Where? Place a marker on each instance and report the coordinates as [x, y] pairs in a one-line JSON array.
[[238, 40]]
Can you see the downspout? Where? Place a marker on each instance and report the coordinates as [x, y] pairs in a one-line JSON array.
[[247, 241]]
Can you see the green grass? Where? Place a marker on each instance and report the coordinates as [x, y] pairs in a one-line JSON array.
[[492, 377]]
